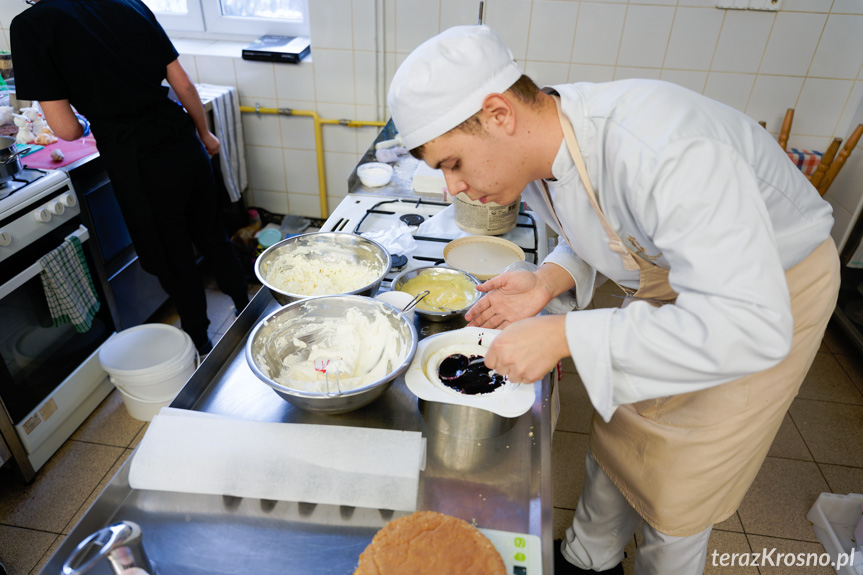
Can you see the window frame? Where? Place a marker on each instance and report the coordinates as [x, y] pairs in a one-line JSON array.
[[205, 16]]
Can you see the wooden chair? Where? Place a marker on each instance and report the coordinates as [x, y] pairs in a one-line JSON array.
[[830, 162], [836, 165]]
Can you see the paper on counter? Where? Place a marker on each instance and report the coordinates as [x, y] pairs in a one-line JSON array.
[[356, 466]]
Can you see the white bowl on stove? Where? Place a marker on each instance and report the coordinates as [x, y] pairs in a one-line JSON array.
[[375, 174]]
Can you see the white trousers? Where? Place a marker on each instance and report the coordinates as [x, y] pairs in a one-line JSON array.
[[605, 522]]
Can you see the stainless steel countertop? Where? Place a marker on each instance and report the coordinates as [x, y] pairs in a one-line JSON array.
[[502, 483]]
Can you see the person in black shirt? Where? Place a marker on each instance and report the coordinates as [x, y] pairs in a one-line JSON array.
[[108, 59]]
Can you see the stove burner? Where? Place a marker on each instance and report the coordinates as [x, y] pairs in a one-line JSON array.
[[412, 219], [398, 262]]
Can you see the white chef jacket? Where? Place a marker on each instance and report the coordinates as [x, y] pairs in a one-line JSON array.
[[703, 191]]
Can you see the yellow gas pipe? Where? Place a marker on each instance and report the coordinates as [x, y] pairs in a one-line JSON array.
[[319, 147]]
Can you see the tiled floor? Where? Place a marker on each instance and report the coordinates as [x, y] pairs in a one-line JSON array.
[[818, 449]]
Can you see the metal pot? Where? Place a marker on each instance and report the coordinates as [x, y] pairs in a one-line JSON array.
[[10, 159]]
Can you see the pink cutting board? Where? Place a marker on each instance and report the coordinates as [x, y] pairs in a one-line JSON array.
[[72, 152]]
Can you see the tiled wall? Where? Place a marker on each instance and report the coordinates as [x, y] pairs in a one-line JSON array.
[[808, 55]]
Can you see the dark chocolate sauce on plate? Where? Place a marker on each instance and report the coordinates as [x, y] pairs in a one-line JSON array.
[[456, 373]]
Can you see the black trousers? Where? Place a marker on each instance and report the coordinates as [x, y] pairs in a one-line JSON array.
[[164, 184]]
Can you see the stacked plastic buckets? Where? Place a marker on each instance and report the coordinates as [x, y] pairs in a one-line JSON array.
[[149, 364]]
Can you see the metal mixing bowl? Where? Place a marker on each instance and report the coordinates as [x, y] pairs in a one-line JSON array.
[[345, 247], [443, 315], [263, 361]]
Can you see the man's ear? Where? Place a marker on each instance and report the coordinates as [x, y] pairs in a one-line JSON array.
[[498, 112]]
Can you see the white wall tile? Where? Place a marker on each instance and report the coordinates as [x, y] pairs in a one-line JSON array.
[[625, 72], [331, 24], [266, 167], [365, 78], [340, 138], [256, 79], [275, 202], [389, 32], [510, 19], [771, 96], [261, 129], [693, 38], [820, 104], [586, 73], [852, 114], [334, 76], [547, 73], [298, 132], [691, 79], [8, 10], [416, 22], [552, 29], [295, 81], [792, 42], [216, 70], [338, 167], [458, 13], [598, 33], [645, 36], [655, 2], [742, 41], [193, 47], [840, 52], [371, 114], [698, 3], [845, 189], [301, 170], [730, 89], [847, 7], [807, 6], [304, 205], [842, 222], [364, 24]]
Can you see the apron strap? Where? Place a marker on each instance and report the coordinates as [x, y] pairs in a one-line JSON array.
[[614, 242]]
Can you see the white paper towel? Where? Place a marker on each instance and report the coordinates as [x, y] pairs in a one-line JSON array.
[[191, 452]]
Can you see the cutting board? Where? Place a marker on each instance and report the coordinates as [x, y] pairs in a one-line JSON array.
[[72, 152]]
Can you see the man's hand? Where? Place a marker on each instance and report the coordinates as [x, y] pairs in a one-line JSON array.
[[528, 349], [509, 297]]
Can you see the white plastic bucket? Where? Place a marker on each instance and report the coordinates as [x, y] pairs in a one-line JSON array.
[[142, 409], [139, 349], [149, 362]]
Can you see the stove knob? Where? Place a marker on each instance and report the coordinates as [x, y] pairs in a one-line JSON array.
[[42, 215], [5, 239], [57, 207], [69, 200]]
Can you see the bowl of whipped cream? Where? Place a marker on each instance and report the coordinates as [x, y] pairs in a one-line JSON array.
[[322, 263], [332, 354]]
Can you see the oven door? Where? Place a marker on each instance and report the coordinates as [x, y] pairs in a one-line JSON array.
[[36, 356]]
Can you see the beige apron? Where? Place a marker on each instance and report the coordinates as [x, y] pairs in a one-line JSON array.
[[685, 462]]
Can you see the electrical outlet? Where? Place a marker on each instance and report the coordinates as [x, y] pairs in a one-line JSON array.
[[772, 5]]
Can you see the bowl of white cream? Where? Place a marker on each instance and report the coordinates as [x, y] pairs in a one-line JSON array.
[[331, 354], [322, 263]]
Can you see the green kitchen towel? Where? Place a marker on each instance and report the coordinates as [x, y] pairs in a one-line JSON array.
[[68, 286]]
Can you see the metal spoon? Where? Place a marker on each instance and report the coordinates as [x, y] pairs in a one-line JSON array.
[[417, 298], [456, 365]]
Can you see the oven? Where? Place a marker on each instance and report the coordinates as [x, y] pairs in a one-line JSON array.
[[50, 377]]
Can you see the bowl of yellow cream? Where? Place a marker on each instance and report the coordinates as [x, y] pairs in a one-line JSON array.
[[451, 292]]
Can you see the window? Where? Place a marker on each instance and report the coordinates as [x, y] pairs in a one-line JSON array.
[[250, 17]]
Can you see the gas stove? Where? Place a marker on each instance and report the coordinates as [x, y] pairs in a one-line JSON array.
[[364, 213], [26, 186]]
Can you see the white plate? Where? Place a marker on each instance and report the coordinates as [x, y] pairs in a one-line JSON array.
[[510, 400]]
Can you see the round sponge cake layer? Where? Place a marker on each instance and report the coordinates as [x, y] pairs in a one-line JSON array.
[[430, 543]]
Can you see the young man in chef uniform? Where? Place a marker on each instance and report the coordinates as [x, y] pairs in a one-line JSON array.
[[721, 244]]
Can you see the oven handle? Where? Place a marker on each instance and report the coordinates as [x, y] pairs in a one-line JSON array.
[[82, 233]]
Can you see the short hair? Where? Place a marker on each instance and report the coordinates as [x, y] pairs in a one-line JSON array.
[[524, 90]]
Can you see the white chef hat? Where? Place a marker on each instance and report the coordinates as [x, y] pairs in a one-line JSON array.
[[444, 81]]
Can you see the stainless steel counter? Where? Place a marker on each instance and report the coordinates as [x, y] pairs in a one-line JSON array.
[[503, 483]]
